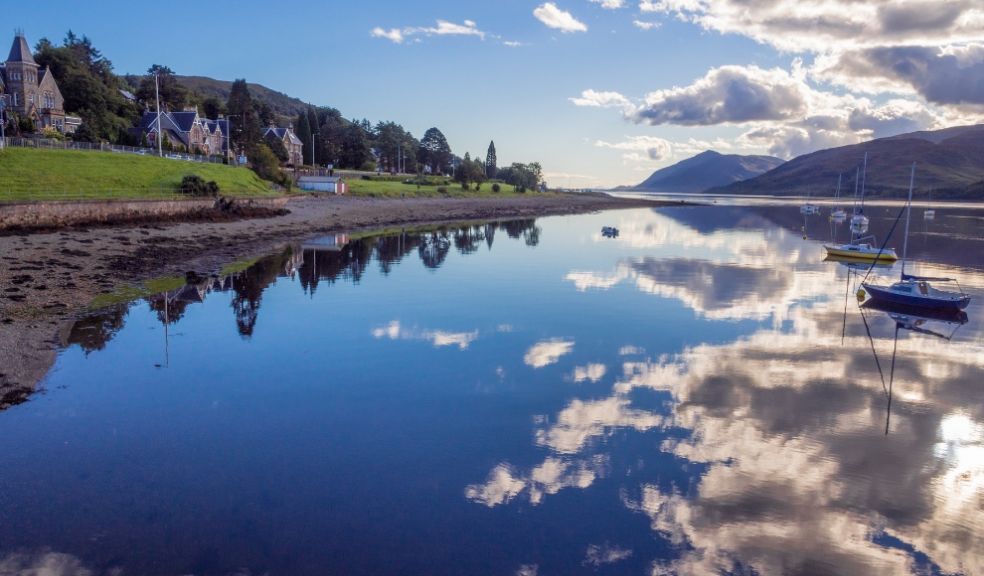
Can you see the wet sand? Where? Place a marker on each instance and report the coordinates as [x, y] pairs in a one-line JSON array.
[[47, 279]]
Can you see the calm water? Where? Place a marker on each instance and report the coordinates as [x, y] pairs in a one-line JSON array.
[[701, 395]]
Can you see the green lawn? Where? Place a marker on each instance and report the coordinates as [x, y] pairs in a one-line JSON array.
[[38, 174], [394, 187]]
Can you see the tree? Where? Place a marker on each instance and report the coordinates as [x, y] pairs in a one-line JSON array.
[[490, 160], [212, 107], [90, 87], [246, 128], [354, 152], [264, 162], [470, 171], [174, 96], [302, 129], [434, 151]]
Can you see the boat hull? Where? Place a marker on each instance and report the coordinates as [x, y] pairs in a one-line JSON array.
[[860, 254], [883, 295]]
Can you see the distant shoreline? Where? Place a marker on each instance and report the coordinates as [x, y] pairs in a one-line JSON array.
[[50, 278]]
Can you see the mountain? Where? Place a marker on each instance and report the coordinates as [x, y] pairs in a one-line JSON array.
[[282, 105], [706, 170], [949, 165]]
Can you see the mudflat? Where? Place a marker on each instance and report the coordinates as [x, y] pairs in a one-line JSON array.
[[49, 278]]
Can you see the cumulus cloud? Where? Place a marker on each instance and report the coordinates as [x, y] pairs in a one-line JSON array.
[[393, 34], [595, 99], [820, 25], [554, 17], [953, 75], [547, 352], [641, 147], [644, 25], [442, 28], [729, 94], [610, 4]]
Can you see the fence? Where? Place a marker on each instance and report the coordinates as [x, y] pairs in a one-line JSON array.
[[52, 144]]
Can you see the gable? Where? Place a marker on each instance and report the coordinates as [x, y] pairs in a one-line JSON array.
[[48, 83]]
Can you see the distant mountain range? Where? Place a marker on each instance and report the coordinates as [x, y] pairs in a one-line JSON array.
[[706, 170], [284, 106], [949, 165]]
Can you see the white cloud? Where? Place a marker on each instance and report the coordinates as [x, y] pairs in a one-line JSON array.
[[644, 25], [512, 43], [554, 17], [645, 148], [729, 94], [393, 34], [598, 555], [822, 25], [594, 99], [547, 352], [592, 372], [439, 338], [442, 28], [610, 4]]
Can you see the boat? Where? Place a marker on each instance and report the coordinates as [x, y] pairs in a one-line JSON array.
[[857, 249], [861, 251], [809, 208], [609, 232], [916, 291], [838, 214], [859, 222], [929, 213]]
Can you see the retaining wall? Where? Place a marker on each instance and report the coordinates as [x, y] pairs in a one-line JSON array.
[[57, 214]]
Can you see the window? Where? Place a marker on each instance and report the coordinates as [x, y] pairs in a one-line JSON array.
[[16, 102]]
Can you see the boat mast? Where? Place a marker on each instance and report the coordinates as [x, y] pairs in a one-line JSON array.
[[908, 217], [838, 194], [864, 177]]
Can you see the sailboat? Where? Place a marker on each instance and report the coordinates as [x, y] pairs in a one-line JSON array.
[[838, 214], [911, 290], [858, 250], [809, 208], [929, 213]]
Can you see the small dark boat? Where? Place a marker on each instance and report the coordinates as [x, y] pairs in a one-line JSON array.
[[609, 232]]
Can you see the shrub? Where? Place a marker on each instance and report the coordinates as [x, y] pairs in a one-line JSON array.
[[193, 185], [496, 187], [442, 189]]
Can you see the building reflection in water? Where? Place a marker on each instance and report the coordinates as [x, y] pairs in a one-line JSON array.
[[326, 259]]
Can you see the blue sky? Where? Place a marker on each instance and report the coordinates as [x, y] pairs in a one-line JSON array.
[[579, 85]]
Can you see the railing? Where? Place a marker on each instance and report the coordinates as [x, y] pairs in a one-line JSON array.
[[52, 144]]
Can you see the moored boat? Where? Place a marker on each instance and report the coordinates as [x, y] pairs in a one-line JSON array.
[[861, 251], [912, 290]]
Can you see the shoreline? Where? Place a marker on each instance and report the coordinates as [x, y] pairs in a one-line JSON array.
[[49, 278]]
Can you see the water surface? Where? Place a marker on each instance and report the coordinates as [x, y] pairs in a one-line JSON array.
[[700, 395]]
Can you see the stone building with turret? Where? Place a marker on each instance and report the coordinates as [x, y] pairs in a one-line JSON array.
[[30, 91]]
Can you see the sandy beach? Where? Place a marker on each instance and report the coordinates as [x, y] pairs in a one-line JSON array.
[[48, 279]]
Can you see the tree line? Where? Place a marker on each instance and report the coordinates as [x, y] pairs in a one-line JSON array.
[[95, 93]]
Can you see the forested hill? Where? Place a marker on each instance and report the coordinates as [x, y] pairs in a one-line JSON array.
[[949, 165], [281, 104]]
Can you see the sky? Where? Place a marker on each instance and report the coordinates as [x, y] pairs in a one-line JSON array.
[[600, 92]]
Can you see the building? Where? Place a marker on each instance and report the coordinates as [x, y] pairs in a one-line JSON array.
[[293, 144], [329, 184], [29, 90], [185, 129]]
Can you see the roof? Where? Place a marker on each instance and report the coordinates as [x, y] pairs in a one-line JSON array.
[[128, 95], [20, 51], [281, 133], [184, 120]]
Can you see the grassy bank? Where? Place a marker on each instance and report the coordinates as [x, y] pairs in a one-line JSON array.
[[37, 174], [396, 187]]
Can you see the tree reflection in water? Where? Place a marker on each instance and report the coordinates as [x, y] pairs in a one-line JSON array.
[[345, 260]]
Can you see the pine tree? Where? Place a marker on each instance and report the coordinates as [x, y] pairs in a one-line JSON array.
[[302, 129], [490, 168]]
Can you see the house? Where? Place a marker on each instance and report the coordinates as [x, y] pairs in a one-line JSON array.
[[329, 184], [29, 90], [186, 128], [293, 144]]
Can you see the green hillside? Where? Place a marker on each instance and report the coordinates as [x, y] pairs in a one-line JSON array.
[[284, 106], [33, 174]]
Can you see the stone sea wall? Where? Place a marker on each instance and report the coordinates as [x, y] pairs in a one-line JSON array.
[[57, 214]]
